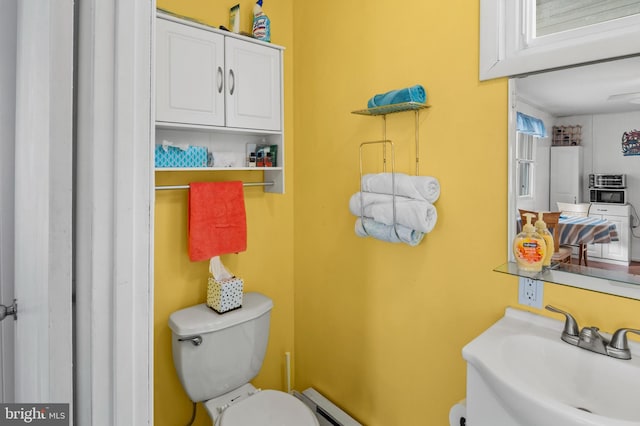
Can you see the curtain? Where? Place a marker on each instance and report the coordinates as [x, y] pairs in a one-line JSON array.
[[530, 125]]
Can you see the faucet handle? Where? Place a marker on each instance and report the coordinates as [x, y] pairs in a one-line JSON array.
[[571, 331], [619, 346]]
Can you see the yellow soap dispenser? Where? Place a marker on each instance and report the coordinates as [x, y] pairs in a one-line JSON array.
[[541, 228], [529, 247]]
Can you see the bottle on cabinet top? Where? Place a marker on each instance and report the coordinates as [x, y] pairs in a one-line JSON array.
[[261, 23]]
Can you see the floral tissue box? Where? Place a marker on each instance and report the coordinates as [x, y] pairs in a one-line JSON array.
[[224, 295], [173, 156]]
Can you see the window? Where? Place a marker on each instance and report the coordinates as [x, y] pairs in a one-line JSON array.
[[528, 129], [555, 16], [525, 164], [515, 41]]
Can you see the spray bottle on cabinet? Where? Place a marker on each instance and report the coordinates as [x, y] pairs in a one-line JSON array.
[[261, 23]]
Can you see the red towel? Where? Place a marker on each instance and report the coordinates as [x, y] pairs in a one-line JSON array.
[[217, 219]]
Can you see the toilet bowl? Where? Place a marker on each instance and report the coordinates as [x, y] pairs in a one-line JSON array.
[[217, 355]]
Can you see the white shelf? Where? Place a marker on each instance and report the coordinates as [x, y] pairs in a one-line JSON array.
[[218, 129], [213, 169]]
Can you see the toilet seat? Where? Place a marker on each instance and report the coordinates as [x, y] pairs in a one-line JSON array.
[[268, 408]]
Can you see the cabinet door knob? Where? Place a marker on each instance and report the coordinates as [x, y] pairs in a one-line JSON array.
[[220, 79], [232, 79]]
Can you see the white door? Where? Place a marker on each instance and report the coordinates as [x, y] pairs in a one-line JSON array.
[[8, 40], [253, 85], [36, 261], [565, 183]]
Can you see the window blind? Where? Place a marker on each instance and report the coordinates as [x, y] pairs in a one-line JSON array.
[[530, 125]]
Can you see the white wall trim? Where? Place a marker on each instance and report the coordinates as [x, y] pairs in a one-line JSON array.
[[114, 275]]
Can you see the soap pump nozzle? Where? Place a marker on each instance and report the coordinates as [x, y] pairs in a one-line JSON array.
[[528, 227], [541, 229]]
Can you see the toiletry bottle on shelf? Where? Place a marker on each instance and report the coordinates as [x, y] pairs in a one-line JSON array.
[[541, 228], [529, 247], [261, 23]]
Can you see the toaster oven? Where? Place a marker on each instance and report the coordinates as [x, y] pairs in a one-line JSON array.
[[598, 180]]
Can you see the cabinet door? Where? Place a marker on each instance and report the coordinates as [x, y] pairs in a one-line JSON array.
[[189, 75], [618, 250], [595, 250], [253, 91]]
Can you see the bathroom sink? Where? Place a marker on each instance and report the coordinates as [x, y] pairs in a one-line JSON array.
[[519, 372]]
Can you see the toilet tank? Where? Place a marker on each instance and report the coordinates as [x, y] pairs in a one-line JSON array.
[[216, 353]]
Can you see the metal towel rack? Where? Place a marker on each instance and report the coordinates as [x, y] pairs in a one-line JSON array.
[[169, 187], [394, 108], [384, 144], [383, 111]]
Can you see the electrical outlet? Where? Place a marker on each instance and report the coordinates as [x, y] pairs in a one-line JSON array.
[[530, 292]]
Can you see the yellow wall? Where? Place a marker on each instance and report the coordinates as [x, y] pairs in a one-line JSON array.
[[378, 327], [266, 266]]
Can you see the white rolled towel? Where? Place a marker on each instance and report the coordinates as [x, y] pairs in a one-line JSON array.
[[419, 215], [418, 187], [394, 234]]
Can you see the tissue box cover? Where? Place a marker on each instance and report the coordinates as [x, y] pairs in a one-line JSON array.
[[171, 156], [224, 295]]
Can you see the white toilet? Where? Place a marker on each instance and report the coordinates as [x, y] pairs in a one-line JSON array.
[[217, 355]]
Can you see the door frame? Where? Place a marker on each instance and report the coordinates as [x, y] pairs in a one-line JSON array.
[[114, 213]]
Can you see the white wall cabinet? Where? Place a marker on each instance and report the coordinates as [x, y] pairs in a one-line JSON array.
[[205, 77], [220, 90], [615, 251], [565, 180]]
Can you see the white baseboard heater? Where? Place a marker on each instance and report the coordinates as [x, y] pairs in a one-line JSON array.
[[327, 412]]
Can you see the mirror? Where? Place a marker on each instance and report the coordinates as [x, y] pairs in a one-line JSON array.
[[604, 100]]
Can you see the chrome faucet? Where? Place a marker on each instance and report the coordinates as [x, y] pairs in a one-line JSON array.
[[619, 347], [589, 338]]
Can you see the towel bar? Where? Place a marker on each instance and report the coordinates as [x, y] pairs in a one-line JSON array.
[[162, 188]]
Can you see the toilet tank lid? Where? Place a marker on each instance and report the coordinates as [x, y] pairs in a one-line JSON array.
[[200, 319]]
